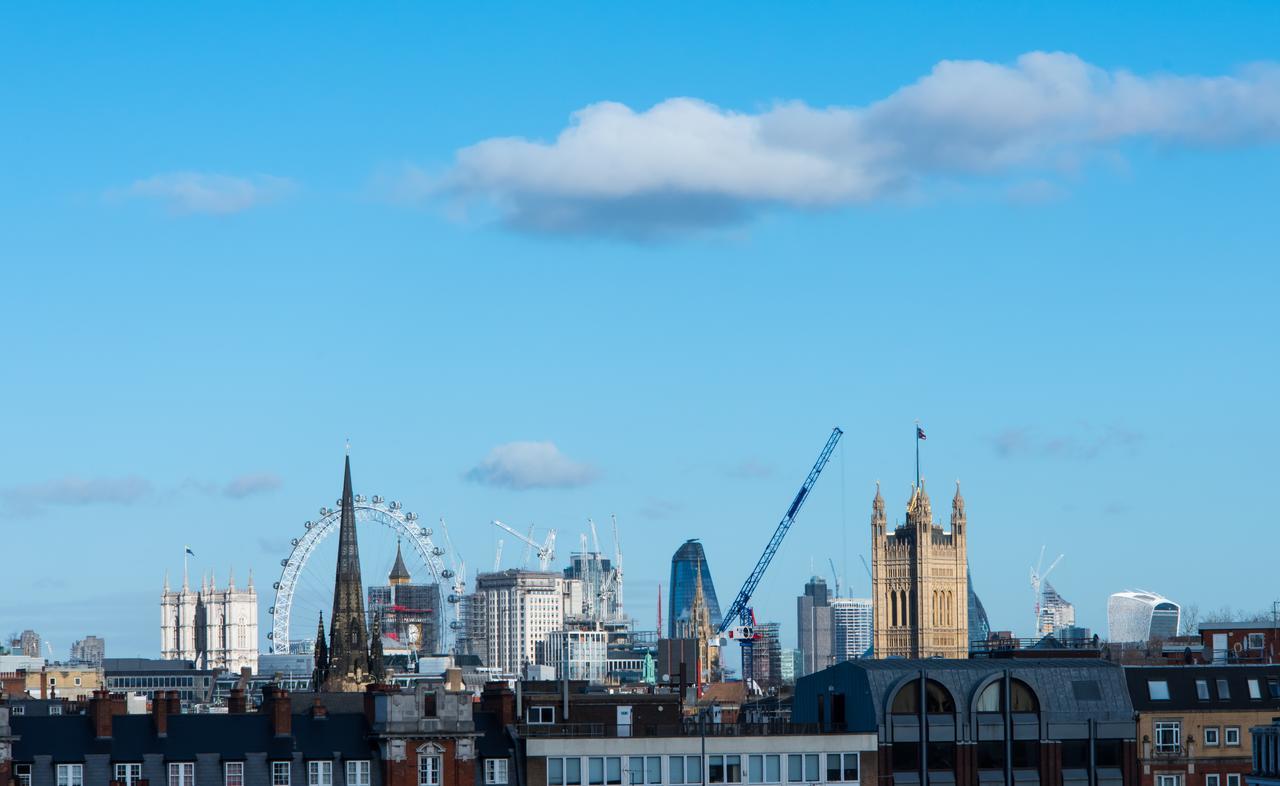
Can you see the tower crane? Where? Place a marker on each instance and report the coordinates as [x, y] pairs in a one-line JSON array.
[[497, 556], [546, 551], [741, 610], [834, 575], [617, 568]]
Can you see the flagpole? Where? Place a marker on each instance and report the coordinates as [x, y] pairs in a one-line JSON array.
[[917, 436]]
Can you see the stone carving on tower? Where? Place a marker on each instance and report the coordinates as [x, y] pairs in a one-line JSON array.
[[349, 668], [920, 581]]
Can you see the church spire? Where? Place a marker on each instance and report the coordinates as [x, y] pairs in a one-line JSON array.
[[348, 637], [958, 518], [320, 674], [399, 573]]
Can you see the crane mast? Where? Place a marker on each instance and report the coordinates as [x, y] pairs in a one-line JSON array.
[[741, 609]]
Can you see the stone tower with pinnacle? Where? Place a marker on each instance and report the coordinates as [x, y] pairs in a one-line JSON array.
[[920, 580], [348, 637]]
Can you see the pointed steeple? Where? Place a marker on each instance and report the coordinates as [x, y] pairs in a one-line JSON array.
[[166, 581], [348, 637], [919, 511], [320, 674], [399, 573], [958, 519], [376, 669], [877, 510], [231, 579]]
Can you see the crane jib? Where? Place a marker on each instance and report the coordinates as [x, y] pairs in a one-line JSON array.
[[795, 506]]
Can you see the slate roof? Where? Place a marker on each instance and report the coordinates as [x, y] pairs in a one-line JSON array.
[[69, 738], [1183, 695], [1067, 688]]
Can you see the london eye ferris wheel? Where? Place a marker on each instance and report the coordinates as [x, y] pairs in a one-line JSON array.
[[387, 533]]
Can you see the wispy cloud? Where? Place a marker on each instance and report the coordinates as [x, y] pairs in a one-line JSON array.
[[685, 164], [76, 491], [530, 465], [1087, 442], [655, 508], [751, 469], [251, 484], [210, 193]]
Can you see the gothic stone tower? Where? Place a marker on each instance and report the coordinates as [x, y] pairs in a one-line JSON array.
[[920, 581], [348, 637]]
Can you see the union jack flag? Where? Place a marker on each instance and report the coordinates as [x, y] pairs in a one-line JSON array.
[[920, 433]]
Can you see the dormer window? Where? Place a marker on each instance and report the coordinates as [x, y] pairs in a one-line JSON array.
[[1158, 690]]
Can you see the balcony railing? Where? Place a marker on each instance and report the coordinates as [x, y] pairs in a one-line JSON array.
[[688, 728]]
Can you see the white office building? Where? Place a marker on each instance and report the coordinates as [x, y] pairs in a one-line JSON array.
[[578, 654], [851, 622], [1055, 612], [518, 610], [1140, 616]]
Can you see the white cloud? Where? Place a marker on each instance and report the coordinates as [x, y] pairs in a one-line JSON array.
[[687, 164], [77, 491], [200, 192], [530, 465], [251, 484]]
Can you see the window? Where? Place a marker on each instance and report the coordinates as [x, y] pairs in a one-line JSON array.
[[635, 770], [1233, 779], [77, 681], [842, 767], [319, 773], [22, 773], [1168, 780], [652, 769], [358, 773], [811, 767], [1254, 641], [1213, 779], [675, 771], [1223, 691], [613, 770], [795, 768], [1210, 737], [233, 773], [693, 769], [755, 768], [128, 773], [1232, 736], [1158, 690], [536, 715], [1202, 690], [280, 773], [1255, 690], [937, 699], [772, 768], [1168, 736], [495, 772], [181, 773], [595, 771], [733, 768], [715, 769], [55, 709], [70, 775], [428, 770], [1273, 688], [19, 710]]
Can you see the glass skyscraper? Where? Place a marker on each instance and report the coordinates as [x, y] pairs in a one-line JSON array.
[[684, 582]]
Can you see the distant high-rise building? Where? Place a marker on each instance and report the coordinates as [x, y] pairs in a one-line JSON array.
[[815, 631], [89, 651], [979, 625], [920, 581], [790, 663], [27, 643], [214, 628], [766, 655], [1141, 616], [852, 620], [697, 627], [516, 610], [688, 561], [1055, 612], [599, 584]]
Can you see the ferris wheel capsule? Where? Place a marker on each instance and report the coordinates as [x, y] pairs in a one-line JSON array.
[[294, 542], [271, 610], [308, 525], [284, 563]]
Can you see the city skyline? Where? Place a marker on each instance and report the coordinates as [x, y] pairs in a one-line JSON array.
[[231, 247]]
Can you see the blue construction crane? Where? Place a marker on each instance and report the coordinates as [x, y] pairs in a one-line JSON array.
[[741, 610]]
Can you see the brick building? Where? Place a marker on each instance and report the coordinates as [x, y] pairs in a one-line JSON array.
[[1194, 721], [420, 738], [1240, 642]]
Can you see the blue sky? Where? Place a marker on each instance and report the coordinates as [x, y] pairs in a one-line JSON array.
[[232, 238]]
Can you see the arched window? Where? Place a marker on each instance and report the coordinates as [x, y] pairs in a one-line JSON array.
[[1021, 698], [893, 609], [937, 699]]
